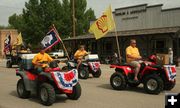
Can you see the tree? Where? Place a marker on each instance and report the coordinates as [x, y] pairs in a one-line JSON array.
[[83, 16], [39, 15]]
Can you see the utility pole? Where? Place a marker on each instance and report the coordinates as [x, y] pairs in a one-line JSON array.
[[73, 17]]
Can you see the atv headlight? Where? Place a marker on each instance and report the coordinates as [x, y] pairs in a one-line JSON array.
[[128, 68]]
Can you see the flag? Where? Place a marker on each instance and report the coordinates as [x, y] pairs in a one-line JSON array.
[[51, 39], [103, 25], [19, 39], [7, 44], [170, 71], [65, 80]]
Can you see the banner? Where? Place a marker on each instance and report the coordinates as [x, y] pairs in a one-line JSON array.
[[103, 25], [94, 66], [65, 80], [51, 39], [19, 39]]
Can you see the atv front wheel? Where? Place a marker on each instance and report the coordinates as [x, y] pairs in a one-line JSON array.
[[83, 72], [47, 94], [21, 90], [76, 92], [153, 84], [118, 81], [97, 74]]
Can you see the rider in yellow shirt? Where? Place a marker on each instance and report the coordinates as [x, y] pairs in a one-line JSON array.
[[80, 53], [133, 57], [40, 60]]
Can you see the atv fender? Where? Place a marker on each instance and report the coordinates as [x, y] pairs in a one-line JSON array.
[[148, 69], [30, 85], [84, 64], [125, 69], [47, 75]]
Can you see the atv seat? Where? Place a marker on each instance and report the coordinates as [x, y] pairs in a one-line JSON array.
[[33, 71], [124, 64], [52, 69]]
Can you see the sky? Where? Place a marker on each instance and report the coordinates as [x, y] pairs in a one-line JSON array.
[[9, 7]]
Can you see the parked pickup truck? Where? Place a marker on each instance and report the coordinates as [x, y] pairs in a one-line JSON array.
[[59, 53]]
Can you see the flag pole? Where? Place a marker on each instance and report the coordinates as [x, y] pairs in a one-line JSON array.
[[117, 41], [62, 44], [118, 48]]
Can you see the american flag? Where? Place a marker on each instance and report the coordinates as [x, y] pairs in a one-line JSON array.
[[7, 44], [65, 80]]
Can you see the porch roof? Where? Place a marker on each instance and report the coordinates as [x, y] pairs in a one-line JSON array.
[[130, 33]]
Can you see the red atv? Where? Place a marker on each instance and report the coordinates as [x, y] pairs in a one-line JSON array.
[[155, 78], [48, 83], [90, 64]]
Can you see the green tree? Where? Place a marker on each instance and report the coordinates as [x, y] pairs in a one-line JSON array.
[[39, 15], [83, 16]]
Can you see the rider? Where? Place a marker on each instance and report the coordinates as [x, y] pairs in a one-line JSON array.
[[133, 57], [40, 60], [80, 53]]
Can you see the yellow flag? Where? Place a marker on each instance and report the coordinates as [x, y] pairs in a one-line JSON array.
[[103, 25], [19, 39]]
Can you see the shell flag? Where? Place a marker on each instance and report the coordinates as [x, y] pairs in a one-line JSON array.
[[103, 25], [19, 39]]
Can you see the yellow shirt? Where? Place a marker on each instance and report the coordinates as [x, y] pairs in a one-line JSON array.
[[133, 52], [80, 54], [42, 58]]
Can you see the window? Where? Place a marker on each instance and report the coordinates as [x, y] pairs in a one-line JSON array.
[[159, 46]]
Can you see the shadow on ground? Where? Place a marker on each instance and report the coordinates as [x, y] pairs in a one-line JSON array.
[[34, 98], [138, 89]]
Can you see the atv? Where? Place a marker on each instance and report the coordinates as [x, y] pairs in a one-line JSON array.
[[154, 77], [90, 64], [47, 84], [15, 58], [12, 60]]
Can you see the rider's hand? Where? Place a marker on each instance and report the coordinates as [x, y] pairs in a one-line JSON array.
[[139, 58], [81, 57], [39, 64]]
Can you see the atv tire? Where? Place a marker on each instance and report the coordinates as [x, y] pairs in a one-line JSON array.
[[76, 92], [21, 90], [83, 72], [169, 85], [47, 94], [153, 84], [97, 74], [8, 64], [118, 81]]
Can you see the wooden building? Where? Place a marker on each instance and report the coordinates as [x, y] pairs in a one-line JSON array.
[[154, 28]]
